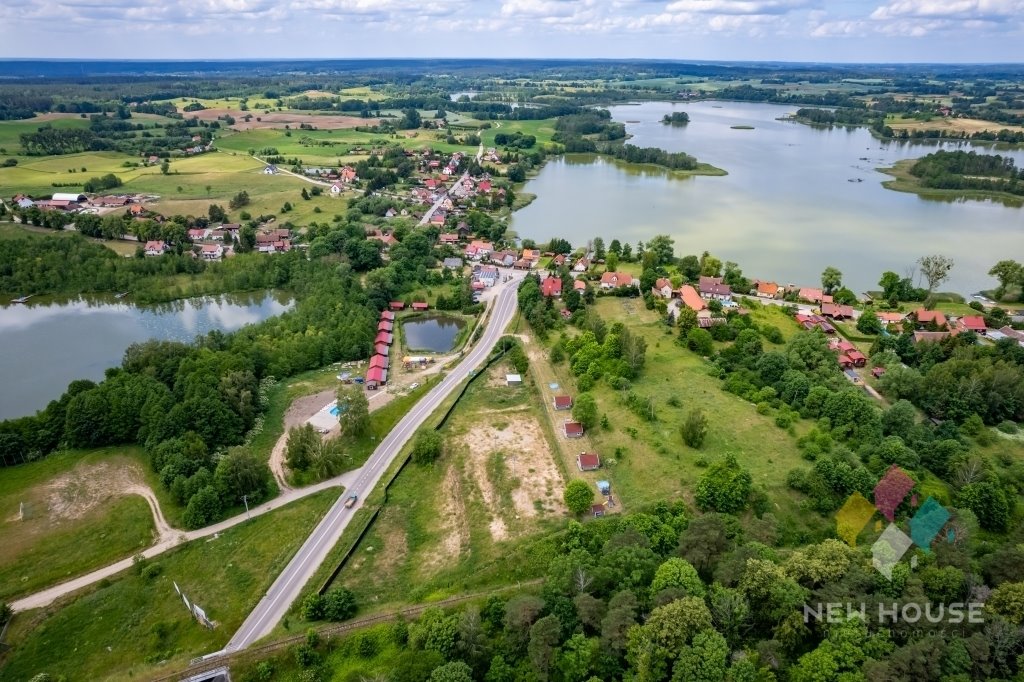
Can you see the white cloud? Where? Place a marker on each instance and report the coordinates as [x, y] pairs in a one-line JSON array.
[[986, 10], [737, 7]]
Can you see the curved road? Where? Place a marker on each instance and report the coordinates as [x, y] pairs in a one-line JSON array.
[[265, 617]]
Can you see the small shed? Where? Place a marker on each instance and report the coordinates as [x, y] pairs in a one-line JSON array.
[[397, 305], [420, 305], [513, 380], [588, 461], [572, 429], [563, 402], [597, 510]]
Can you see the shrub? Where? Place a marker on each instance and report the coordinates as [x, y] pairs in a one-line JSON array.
[[695, 429], [578, 496], [1007, 427], [339, 604], [429, 446]]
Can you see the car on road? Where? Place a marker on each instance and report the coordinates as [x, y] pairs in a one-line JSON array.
[[351, 501]]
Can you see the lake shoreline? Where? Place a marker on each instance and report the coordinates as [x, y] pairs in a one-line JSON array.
[[903, 181]]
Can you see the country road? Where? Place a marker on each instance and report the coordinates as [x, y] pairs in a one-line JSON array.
[[444, 195], [307, 560]]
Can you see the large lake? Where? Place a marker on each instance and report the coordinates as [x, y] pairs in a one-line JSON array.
[[49, 345], [797, 198]]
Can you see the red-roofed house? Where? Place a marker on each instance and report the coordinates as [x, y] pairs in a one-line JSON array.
[[387, 315], [384, 337], [712, 287], [971, 323], [384, 326], [691, 299], [397, 305], [420, 306], [563, 402], [935, 317], [930, 337], [551, 286], [857, 358], [662, 288], [155, 248], [767, 289], [811, 294], [836, 312], [588, 461], [212, 252], [196, 233], [376, 375], [579, 285], [448, 238], [572, 429], [890, 317], [558, 260], [612, 280], [379, 361]]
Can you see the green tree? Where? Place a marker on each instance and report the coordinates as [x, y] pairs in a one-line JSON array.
[[202, 508], [577, 657], [428, 447], [1007, 600], [663, 248], [354, 411], [545, 636], [679, 574], [655, 645], [694, 428], [988, 502], [300, 446], [584, 410], [165, 167], [1009, 273], [611, 262], [686, 320], [239, 200], [868, 323], [700, 342], [411, 119], [578, 496], [455, 671], [831, 279], [435, 631], [704, 660], [241, 474], [339, 604], [935, 270], [725, 487]]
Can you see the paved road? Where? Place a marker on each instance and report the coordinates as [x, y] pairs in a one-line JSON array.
[[444, 195], [49, 595], [307, 560]]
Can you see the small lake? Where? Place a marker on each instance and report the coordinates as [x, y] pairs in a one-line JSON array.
[[797, 198], [47, 345], [436, 333]]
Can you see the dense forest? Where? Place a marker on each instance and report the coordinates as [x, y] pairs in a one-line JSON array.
[[969, 170]]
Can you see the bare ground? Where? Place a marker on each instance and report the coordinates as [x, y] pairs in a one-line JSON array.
[[282, 119], [453, 523]]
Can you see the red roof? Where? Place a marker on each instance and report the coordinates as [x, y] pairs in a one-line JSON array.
[[925, 316], [588, 461], [834, 310], [551, 286], [379, 361], [384, 337], [387, 315], [384, 326], [376, 374], [420, 305], [767, 288], [381, 349], [563, 402], [691, 298], [573, 429], [975, 323], [579, 285], [397, 305]]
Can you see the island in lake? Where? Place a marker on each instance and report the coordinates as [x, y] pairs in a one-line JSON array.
[[676, 118], [959, 175]]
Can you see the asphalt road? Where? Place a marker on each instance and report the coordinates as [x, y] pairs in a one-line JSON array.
[[268, 613]]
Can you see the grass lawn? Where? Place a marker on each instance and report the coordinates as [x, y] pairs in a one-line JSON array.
[[327, 147], [135, 627], [17, 230], [542, 129], [11, 131], [654, 464], [76, 517]]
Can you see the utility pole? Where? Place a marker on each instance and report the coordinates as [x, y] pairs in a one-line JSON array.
[[245, 501]]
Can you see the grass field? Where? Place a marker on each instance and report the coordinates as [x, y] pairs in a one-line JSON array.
[[903, 181], [326, 147], [10, 131], [654, 464], [76, 516], [17, 230], [950, 124], [542, 129], [135, 625]]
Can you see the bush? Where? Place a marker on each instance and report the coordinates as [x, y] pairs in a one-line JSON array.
[[700, 342], [429, 446], [339, 604], [695, 429], [578, 496], [1007, 427], [725, 488], [313, 607]]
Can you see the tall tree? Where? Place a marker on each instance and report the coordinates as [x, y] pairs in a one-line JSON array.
[[831, 279], [354, 414], [935, 270]]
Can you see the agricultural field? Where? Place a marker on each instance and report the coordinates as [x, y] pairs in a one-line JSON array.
[[542, 129], [73, 512], [16, 231], [329, 146], [474, 517], [134, 626], [11, 131], [949, 124]]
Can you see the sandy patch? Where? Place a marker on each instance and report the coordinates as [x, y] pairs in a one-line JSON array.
[[968, 125], [512, 449], [282, 119], [453, 522], [75, 493]]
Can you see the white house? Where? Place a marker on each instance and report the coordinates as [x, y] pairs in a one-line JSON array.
[[212, 252], [155, 248], [336, 189]]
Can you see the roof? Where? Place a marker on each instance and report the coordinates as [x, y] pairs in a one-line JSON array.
[[452, 262], [381, 349], [714, 286], [551, 286], [588, 460], [212, 248], [811, 294], [154, 246], [662, 283], [579, 285], [563, 402], [68, 196], [397, 305], [387, 315], [691, 298], [378, 374], [379, 361], [419, 305], [925, 316], [767, 288], [890, 317], [572, 428], [835, 310], [513, 378], [930, 337], [384, 337], [619, 279], [384, 326], [972, 322]]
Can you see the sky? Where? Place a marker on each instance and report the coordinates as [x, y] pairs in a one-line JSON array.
[[785, 30]]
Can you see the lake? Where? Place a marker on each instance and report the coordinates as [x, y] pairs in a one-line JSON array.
[[797, 198], [436, 333], [48, 345]]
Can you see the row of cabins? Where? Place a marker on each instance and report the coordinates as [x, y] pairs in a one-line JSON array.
[[380, 361], [585, 461]]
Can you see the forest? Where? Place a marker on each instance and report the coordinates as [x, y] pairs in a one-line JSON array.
[[969, 170]]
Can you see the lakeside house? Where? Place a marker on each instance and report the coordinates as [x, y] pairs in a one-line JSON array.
[[551, 286], [691, 299], [766, 289], [925, 317], [813, 295], [713, 288], [420, 306], [385, 326], [971, 323], [836, 311], [613, 280], [397, 305]]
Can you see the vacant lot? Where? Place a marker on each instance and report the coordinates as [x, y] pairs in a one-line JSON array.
[[68, 514], [135, 626]]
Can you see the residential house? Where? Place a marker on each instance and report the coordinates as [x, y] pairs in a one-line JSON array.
[[387, 315], [971, 323], [579, 285], [420, 306], [890, 317], [836, 311], [522, 264], [812, 295], [452, 263], [376, 376], [484, 186], [136, 210], [877, 372], [582, 265], [155, 248], [438, 217], [563, 402], [448, 238], [379, 362], [212, 252], [504, 258], [384, 337], [572, 429], [551, 286], [231, 228], [397, 305], [390, 213], [348, 175], [812, 322], [662, 287], [531, 255], [217, 235], [385, 326], [479, 250], [927, 317], [588, 461], [558, 261], [767, 289], [196, 234], [713, 288], [270, 169], [382, 349], [691, 299], [336, 189], [612, 280], [930, 337], [23, 201]]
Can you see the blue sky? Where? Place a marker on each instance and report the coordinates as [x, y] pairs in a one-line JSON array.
[[794, 30]]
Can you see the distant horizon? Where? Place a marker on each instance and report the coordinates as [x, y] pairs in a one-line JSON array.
[[613, 60]]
